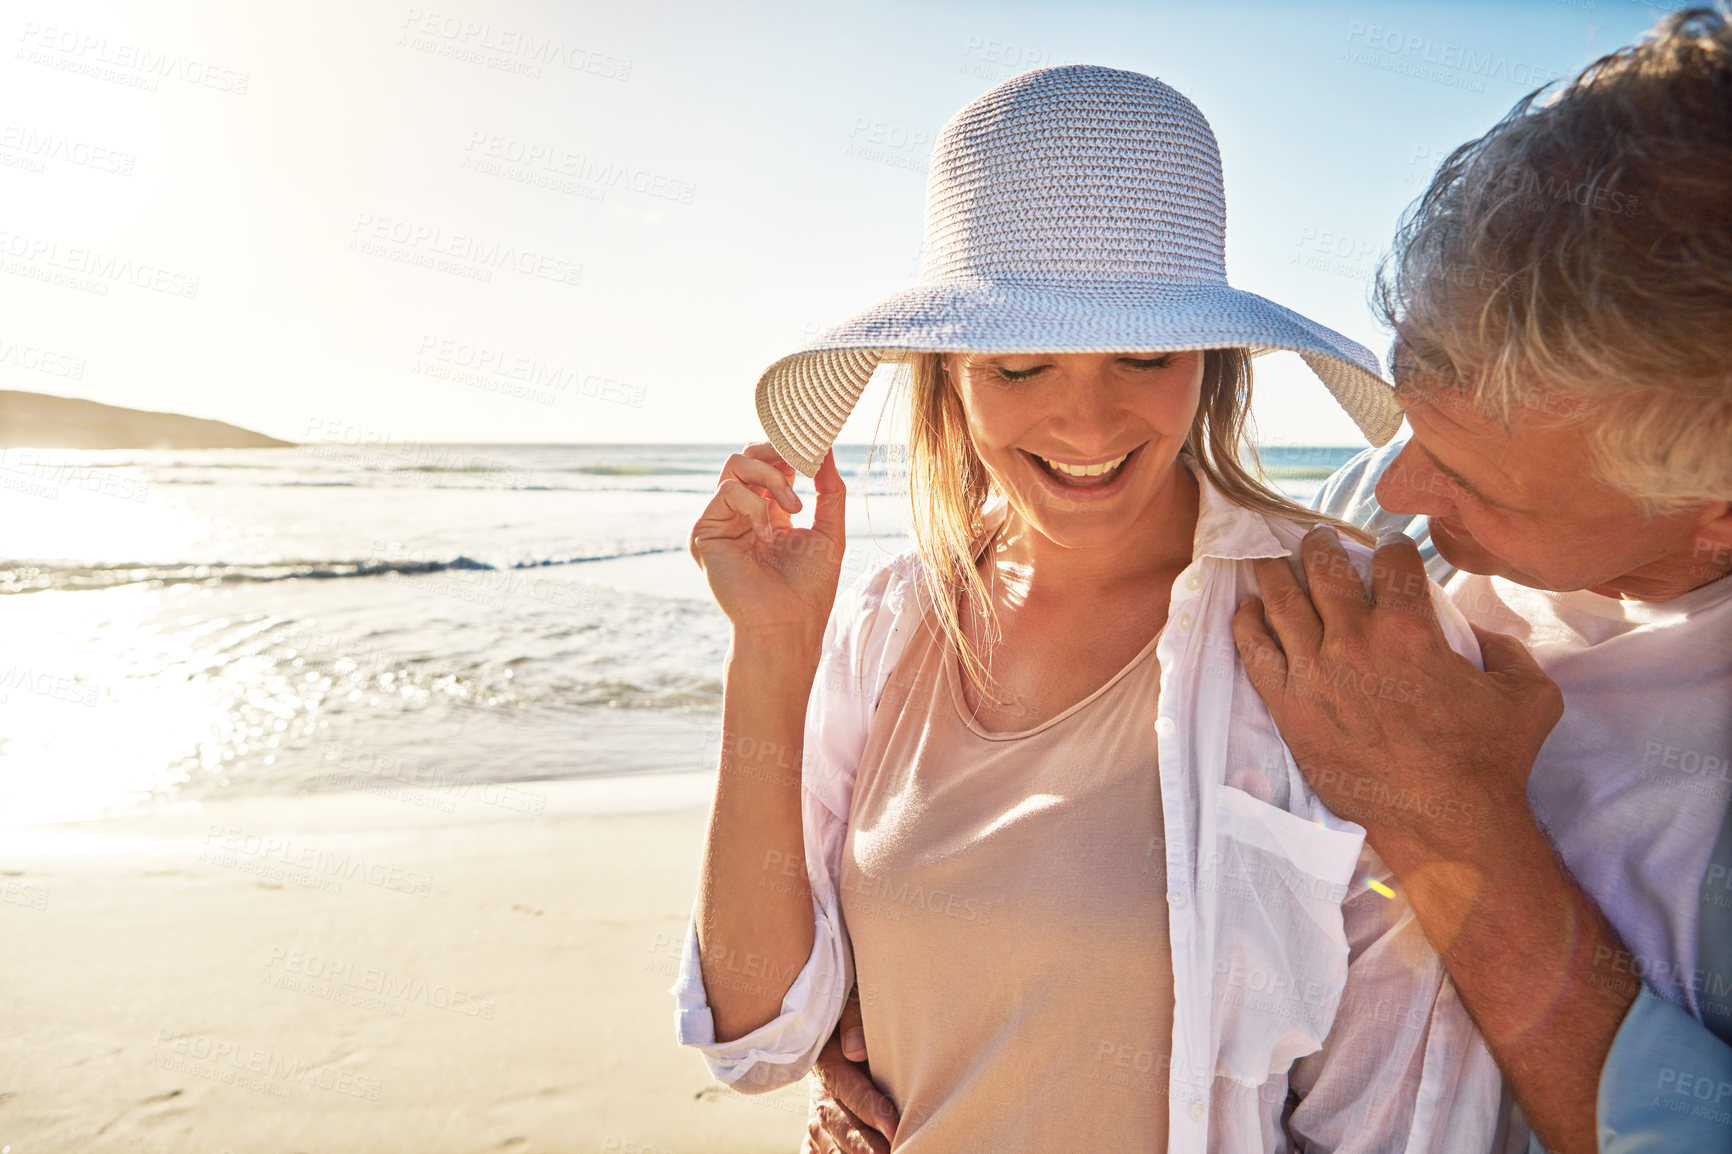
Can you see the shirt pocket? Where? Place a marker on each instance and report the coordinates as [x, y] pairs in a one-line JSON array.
[[1280, 956]]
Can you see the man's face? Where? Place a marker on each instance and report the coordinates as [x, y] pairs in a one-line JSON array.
[[1523, 503]]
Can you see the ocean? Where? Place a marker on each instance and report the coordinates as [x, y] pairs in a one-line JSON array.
[[186, 625]]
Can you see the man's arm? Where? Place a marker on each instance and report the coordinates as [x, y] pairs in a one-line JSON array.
[[1530, 954], [1437, 775]]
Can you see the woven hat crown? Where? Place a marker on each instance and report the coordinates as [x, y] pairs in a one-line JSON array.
[[1074, 178], [1069, 210]]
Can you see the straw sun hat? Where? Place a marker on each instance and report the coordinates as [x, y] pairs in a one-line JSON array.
[[1069, 210]]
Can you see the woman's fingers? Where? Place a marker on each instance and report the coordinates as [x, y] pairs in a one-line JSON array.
[[829, 517], [755, 495], [752, 467], [764, 451], [734, 511]]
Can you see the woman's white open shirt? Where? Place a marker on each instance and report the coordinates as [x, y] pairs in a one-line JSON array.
[[1291, 970]]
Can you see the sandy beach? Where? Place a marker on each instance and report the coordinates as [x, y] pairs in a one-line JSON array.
[[413, 970]]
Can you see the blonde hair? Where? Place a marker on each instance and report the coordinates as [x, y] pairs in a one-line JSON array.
[[1576, 261], [948, 486]]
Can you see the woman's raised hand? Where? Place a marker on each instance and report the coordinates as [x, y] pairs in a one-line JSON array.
[[766, 574]]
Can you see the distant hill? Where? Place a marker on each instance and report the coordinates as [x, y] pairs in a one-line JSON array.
[[39, 421]]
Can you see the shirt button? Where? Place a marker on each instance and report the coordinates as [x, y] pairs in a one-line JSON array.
[[1194, 581], [1197, 1111], [1166, 727], [1176, 897], [1185, 622]]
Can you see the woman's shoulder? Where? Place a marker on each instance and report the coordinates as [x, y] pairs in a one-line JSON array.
[[881, 582], [885, 592]]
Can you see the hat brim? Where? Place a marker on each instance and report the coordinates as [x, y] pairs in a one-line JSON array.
[[805, 398]]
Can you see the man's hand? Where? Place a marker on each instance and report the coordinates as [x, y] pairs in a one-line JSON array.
[[849, 1114], [1396, 731], [1392, 728]]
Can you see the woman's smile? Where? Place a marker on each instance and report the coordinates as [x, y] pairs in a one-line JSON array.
[[1099, 478]]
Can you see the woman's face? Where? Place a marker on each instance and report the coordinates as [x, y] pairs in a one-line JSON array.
[[1082, 445]]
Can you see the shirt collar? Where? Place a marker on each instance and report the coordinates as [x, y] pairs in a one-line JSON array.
[[1227, 530]]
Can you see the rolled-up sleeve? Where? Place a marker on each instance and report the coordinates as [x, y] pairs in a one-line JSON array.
[[865, 634], [783, 1049]]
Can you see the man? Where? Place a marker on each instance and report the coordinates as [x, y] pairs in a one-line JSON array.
[[1562, 298]]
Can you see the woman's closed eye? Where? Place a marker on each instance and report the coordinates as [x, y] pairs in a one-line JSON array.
[[1138, 364], [1147, 364]]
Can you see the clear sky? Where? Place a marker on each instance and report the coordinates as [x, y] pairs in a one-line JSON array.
[[337, 220]]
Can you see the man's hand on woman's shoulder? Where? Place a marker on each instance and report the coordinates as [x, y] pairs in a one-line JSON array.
[[1393, 728]]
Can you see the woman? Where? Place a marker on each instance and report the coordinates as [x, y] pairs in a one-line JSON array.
[[1045, 822]]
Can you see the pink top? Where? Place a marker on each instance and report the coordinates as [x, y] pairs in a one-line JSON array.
[[1005, 894], [1308, 1011]]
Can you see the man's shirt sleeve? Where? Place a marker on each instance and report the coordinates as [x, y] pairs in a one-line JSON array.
[[1667, 1084], [1666, 1087]]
